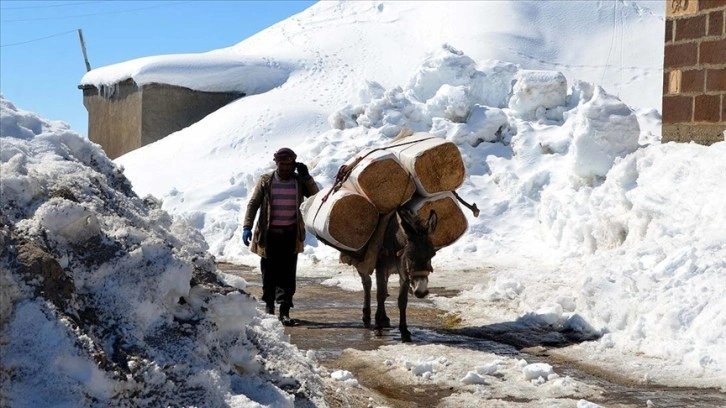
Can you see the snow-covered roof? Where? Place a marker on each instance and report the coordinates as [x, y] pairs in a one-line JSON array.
[[207, 72]]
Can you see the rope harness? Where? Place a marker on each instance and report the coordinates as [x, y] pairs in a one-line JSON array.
[[345, 170]]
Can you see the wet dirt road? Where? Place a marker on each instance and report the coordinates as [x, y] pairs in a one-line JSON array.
[[330, 322]]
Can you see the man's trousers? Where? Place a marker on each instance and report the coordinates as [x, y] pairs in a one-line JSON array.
[[279, 268]]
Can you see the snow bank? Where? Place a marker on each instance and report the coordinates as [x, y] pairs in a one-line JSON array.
[[107, 298]]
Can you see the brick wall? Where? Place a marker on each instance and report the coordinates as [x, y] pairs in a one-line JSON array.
[[694, 71]]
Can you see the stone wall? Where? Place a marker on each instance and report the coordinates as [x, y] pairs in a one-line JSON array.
[[694, 71]]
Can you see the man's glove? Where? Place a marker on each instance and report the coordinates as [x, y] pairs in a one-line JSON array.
[[246, 236], [302, 170]]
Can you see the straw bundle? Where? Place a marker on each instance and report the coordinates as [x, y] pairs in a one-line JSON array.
[[381, 178], [417, 170], [451, 224], [435, 164], [346, 220]]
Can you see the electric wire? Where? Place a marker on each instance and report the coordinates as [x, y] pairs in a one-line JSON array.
[[165, 4], [38, 39], [78, 3]]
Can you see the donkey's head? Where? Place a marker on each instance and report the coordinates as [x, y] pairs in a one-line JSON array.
[[415, 257]]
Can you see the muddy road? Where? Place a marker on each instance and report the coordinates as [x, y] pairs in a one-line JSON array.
[[329, 324]]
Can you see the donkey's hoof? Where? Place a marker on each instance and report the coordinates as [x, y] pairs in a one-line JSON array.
[[367, 323], [382, 320], [379, 332], [406, 337]]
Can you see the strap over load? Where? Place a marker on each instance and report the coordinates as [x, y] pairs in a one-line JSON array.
[[344, 219], [435, 163], [451, 224], [379, 176]]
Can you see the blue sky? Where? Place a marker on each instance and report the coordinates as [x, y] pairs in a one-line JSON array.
[[41, 63]]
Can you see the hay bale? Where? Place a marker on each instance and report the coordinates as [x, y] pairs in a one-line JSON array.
[[365, 259], [346, 220], [380, 177], [452, 223], [435, 163]]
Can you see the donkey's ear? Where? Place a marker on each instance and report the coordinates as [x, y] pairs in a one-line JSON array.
[[433, 221], [409, 219]]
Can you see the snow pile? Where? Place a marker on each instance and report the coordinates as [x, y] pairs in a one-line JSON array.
[[538, 372], [108, 298], [476, 377], [345, 376], [632, 231], [545, 133]]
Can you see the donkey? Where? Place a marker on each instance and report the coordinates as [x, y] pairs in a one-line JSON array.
[[401, 244]]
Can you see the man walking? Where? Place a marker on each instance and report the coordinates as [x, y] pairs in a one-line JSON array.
[[280, 232]]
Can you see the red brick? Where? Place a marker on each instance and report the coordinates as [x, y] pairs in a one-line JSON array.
[[715, 23], [693, 81], [713, 52], [715, 80], [677, 109], [690, 27], [707, 108], [680, 55], [669, 31], [710, 4]]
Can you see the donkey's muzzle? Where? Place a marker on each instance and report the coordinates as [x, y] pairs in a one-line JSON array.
[[420, 283]]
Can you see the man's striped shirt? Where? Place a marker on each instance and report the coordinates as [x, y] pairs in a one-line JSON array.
[[284, 202]]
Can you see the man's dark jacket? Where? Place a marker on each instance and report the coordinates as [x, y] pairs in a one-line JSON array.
[[261, 200]]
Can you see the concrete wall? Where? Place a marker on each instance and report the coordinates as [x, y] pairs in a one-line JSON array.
[[122, 117], [694, 71], [167, 109], [114, 117]]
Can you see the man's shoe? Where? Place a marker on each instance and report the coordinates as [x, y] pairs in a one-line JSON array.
[[285, 315]]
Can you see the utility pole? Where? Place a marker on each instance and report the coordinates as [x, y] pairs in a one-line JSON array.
[[83, 48]]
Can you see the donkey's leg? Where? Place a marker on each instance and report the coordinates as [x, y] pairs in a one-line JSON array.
[[402, 304], [382, 319], [366, 280]]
